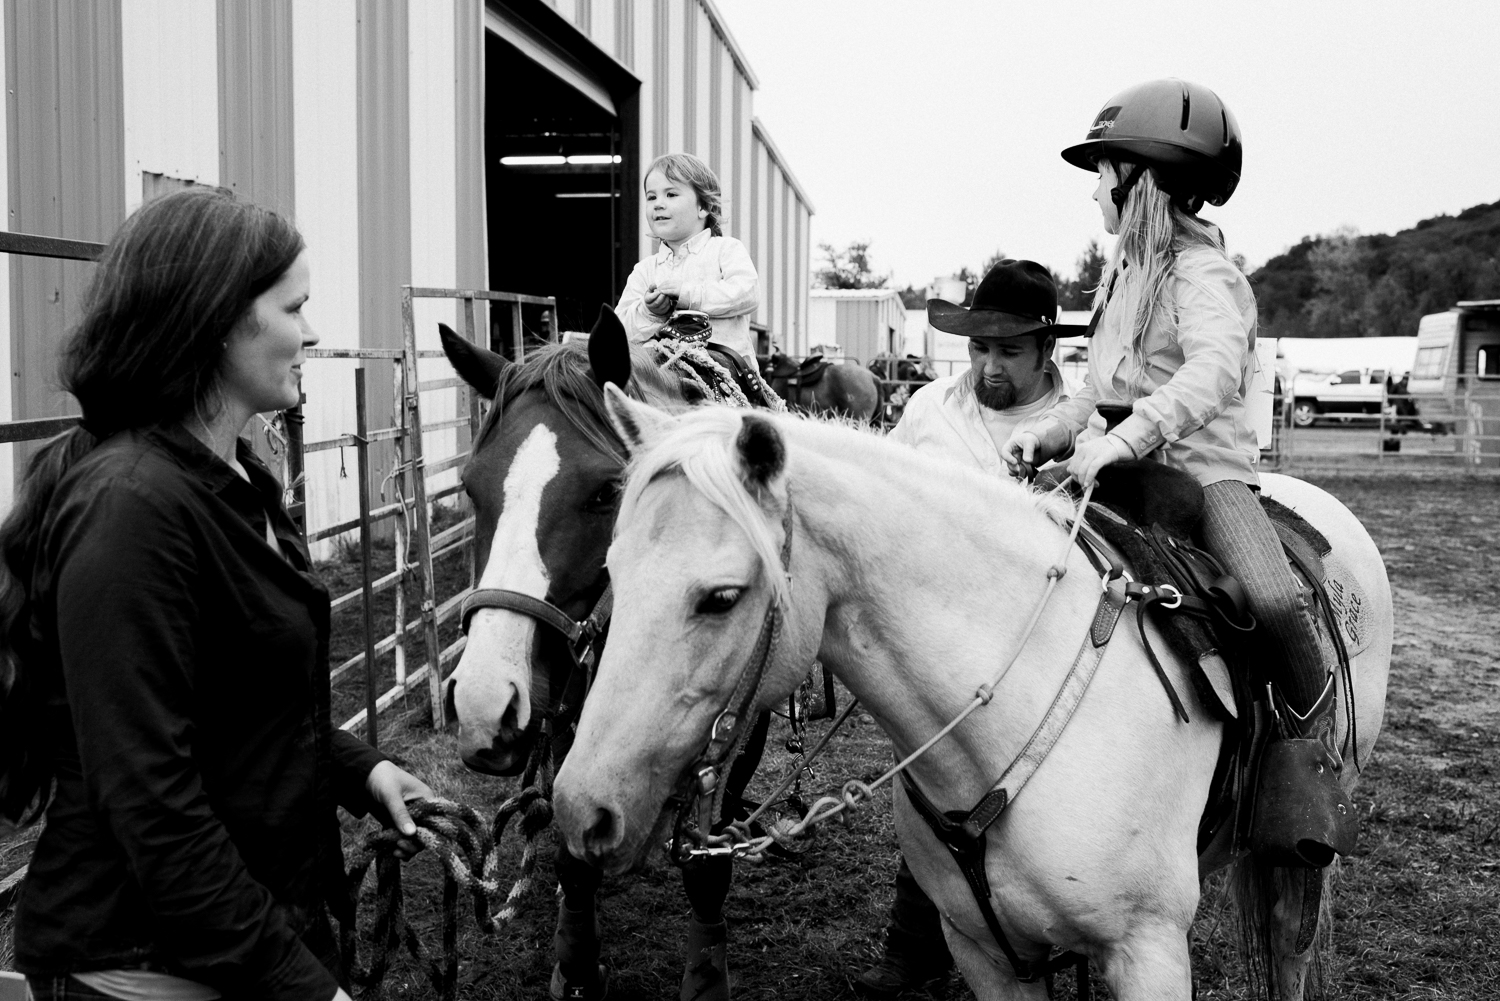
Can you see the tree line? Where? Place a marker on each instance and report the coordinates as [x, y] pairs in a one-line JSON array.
[[852, 268], [1346, 285]]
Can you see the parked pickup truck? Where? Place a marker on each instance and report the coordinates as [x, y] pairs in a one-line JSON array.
[[1339, 395]]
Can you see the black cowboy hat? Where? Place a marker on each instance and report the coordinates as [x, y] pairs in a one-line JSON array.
[[1015, 298]]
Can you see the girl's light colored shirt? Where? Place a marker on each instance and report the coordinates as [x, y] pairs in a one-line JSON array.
[[1187, 380], [717, 277]]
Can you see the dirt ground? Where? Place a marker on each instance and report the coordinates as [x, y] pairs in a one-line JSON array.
[[1415, 909]]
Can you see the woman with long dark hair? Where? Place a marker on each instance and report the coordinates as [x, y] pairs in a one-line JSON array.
[[164, 695]]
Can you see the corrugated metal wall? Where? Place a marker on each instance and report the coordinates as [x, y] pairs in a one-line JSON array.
[[65, 154], [256, 157]]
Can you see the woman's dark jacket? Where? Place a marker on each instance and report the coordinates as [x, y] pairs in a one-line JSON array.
[[186, 662]]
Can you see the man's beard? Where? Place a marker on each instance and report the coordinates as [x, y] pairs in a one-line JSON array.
[[995, 395]]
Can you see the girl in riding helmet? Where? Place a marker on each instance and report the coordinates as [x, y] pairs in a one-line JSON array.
[[1175, 340], [697, 267]]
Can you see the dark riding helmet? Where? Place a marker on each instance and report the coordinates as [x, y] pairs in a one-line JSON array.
[[1179, 129]]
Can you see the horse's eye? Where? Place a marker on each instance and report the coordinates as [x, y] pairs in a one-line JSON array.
[[720, 601], [605, 497]]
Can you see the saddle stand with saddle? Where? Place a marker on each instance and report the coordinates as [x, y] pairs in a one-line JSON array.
[[1275, 791]]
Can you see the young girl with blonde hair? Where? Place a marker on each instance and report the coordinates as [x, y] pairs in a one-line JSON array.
[[697, 266], [1175, 345]]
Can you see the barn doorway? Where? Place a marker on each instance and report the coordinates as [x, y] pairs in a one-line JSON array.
[[553, 169]]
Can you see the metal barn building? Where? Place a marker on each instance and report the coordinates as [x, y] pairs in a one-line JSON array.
[[446, 143], [856, 323]]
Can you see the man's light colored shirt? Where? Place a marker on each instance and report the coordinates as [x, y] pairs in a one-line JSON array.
[[945, 418], [717, 278]]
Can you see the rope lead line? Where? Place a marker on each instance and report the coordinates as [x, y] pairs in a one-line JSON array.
[[468, 850], [854, 792]]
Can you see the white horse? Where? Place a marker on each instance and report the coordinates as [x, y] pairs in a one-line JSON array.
[[911, 579]]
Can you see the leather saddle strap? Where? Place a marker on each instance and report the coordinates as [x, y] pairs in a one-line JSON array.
[[1044, 737], [954, 830], [515, 601], [1149, 597]]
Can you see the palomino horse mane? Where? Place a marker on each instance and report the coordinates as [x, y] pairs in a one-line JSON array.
[[562, 372], [701, 445]]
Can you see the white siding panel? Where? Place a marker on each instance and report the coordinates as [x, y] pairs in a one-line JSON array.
[[171, 90], [434, 203], [7, 411], [703, 108], [675, 81], [645, 68], [326, 158], [602, 30]]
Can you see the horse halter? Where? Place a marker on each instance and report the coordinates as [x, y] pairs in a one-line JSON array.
[[703, 782], [579, 635]]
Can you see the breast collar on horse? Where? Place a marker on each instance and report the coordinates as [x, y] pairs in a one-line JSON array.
[[962, 832]]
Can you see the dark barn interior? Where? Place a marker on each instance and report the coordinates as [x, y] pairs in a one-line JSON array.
[[553, 225]]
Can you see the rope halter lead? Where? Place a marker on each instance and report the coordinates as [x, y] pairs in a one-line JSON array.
[[703, 784]]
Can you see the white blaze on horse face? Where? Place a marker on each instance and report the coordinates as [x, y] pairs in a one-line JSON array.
[[496, 662]]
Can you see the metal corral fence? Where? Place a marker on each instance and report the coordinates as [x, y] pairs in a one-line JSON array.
[[1457, 430], [39, 428], [412, 511]]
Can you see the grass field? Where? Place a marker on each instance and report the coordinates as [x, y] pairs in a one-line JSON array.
[[1415, 911]]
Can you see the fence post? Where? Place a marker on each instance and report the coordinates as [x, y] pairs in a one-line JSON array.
[[362, 454], [1384, 399], [398, 380], [296, 464], [473, 395], [517, 334], [423, 516]]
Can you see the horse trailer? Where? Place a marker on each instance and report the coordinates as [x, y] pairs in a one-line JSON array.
[[1456, 377]]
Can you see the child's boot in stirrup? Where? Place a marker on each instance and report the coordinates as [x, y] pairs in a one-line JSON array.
[[1303, 816]]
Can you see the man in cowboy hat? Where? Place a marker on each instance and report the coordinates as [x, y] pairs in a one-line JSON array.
[[1010, 383]]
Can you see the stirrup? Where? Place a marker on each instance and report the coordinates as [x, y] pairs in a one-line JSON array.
[[1303, 816], [1317, 723]]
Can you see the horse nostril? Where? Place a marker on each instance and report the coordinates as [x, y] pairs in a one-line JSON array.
[[603, 835], [510, 720], [450, 710]]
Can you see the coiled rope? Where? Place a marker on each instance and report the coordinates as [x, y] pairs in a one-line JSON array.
[[468, 850]]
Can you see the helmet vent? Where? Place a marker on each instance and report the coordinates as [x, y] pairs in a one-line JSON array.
[[1224, 119], [1187, 109]]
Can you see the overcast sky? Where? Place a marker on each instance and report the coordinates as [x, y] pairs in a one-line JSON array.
[[932, 127]]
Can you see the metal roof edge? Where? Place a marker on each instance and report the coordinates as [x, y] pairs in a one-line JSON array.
[[572, 42], [760, 132], [735, 52], [854, 293]]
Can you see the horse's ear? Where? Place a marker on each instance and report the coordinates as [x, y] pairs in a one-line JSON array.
[[636, 423], [761, 449], [474, 365], [609, 349]]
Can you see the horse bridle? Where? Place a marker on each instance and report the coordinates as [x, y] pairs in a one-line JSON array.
[[703, 782], [580, 635]]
